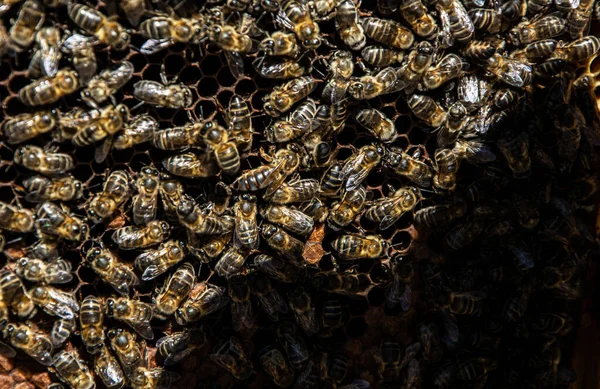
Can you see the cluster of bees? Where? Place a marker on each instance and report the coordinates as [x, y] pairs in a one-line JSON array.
[[258, 268]]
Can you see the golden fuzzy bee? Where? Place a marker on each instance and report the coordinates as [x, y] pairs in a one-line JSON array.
[[134, 313], [381, 56], [139, 130], [231, 261], [35, 270], [387, 210], [62, 330], [167, 94], [388, 32], [73, 371], [107, 368], [30, 19], [51, 219], [16, 219], [126, 348], [191, 165], [368, 87], [536, 29], [145, 203], [282, 242], [105, 84], [110, 120], [111, 270], [155, 262], [304, 310], [231, 356], [47, 163], [449, 67], [297, 18], [275, 365], [295, 191], [409, 166], [578, 50], [360, 164], [176, 346], [224, 149], [242, 314], [45, 189], [280, 43], [132, 237], [195, 220], [171, 193], [91, 324], [164, 31], [378, 124], [48, 90], [211, 299], [54, 301], [26, 126], [246, 228], [157, 378], [81, 47], [455, 22], [427, 109], [344, 212], [283, 97], [115, 193], [106, 30], [351, 32], [35, 343], [175, 289], [177, 138], [421, 22], [358, 247], [291, 219]]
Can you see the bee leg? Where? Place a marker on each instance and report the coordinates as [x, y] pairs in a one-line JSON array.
[[363, 67]]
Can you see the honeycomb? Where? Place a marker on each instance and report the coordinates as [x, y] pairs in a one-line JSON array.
[[504, 351]]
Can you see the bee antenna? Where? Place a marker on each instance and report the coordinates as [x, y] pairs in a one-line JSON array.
[[136, 106], [6, 146], [320, 73], [11, 242]]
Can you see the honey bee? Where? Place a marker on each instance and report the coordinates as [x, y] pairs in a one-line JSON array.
[[171, 193], [15, 218], [193, 218], [246, 229], [427, 109], [389, 357], [157, 378], [91, 322], [128, 351], [516, 151], [271, 176], [291, 219], [283, 97], [304, 310], [54, 220], [278, 268], [155, 262], [488, 20], [106, 30], [319, 152], [30, 19], [167, 94], [84, 57], [344, 212], [473, 151], [381, 56], [164, 31], [446, 168], [388, 32], [132, 237], [14, 296], [105, 84], [415, 13], [464, 233], [280, 43], [578, 50], [360, 164], [30, 340], [299, 123], [211, 299], [144, 204], [231, 356], [295, 191], [107, 368], [54, 301], [134, 10], [176, 346], [400, 290], [315, 208], [462, 303], [356, 247], [437, 215], [455, 22], [351, 32], [282, 242], [378, 124], [44, 61], [115, 193], [479, 50], [409, 166], [449, 67], [295, 17], [47, 163], [242, 314], [211, 249], [240, 123], [536, 29], [278, 69], [110, 121], [333, 368], [274, 364], [269, 298], [45, 189], [191, 165], [134, 313], [62, 330], [35, 270], [388, 210], [368, 87], [332, 180], [224, 149], [139, 130], [48, 90], [579, 17], [174, 291]]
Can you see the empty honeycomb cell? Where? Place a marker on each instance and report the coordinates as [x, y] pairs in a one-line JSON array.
[[12, 106], [245, 87], [225, 78], [224, 97], [174, 64], [17, 82], [211, 65], [205, 109], [208, 87], [189, 74]]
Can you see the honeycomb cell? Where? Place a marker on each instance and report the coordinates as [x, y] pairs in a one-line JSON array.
[[208, 87], [225, 78], [190, 75], [211, 65]]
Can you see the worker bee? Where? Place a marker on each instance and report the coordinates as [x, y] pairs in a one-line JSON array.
[[409, 166], [54, 301], [282, 242], [415, 13], [30, 19], [195, 220], [358, 166], [283, 97], [515, 149], [224, 149], [388, 32], [455, 22], [578, 50], [278, 268], [381, 56], [239, 122], [488, 20], [91, 321], [295, 191], [536, 29], [462, 303], [246, 229], [400, 290], [389, 358], [446, 168], [157, 378], [479, 50], [27, 126], [274, 364], [45, 189], [344, 212], [378, 124], [388, 210], [132, 237], [242, 314], [357, 247], [107, 368], [418, 62], [176, 346], [171, 193], [174, 291], [144, 204], [14, 296], [134, 313], [164, 31], [105, 84], [155, 262], [48, 90], [30, 340], [578, 18], [211, 248], [230, 39], [427, 109], [44, 61], [280, 43], [167, 94], [211, 299], [35, 270], [315, 208], [111, 270], [62, 330], [139, 130], [304, 310], [271, 176], [293, 344], [269, 298], [332, 180], [449, 67], [115, 193], [291, 219], [84, 57], [351, 32], [191, 165], [473, 151], [106, 30], [128, 351], [333, 368], [278, 69], [437, 215], [231, 356], [47, 163], [368, 87], [54, 220], [463, 234], [298, 123], [16, 219], [297, 18]]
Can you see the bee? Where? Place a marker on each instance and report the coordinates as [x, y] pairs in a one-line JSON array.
[[333, 368], [352, 33], [274, 364], [488, 20], [475, 152], [536, 29], [358, 166], [229, 39], [410, 166], [231, 356], [332, 180], [91, 322], [107, 368], [278, 69], [283, 97], [304, 310], [48, 90], [278, 268], [282, 242], [437, 215], [176, 346], [462, 303], [246, 229], [35, 270], [300, 122], [344, 212], [388, 210], [174, 291], [280, 43], [551, 323], [455, 19], [62, 330], [224, 149], [193, 218], [54, 220], [319, 152], [388, 32], [14, 296], [265, 176], [415, 13], [212, 248], [106, 30], [164, 31], [105, 84], [127, 350], [446, 168], [418, 62], [55, 302], [427, 109], [144, 204], [381, 56], [578, 50], [479, 50], [191, 165], [16, 219], [30, 340], [84, 57], [155, 262], [44, 61], [115, 193], [242, 314], [139, 130], [505, 98], [167, 94], [239, 122], [211, 299], [516, 151], [296, 191], [463, 234], [297, 18], [510, 71], [269, 298], [356, 247], [457, 122], [389, 357], [157, 378], [378, 124], [45, 189], [134, 313], [368, 87], [134, 10], [536, 51], [579, 17], [449, 67], [400, 289], [291, 219], [47, 163], [132, 237], [30, 19], [171, 193]]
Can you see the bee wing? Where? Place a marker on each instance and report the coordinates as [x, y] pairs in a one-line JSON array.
[[60, 277], [354, 172], [446, 38], [45, 358], [142, 327], [152, 46], [391, 218], [512, 75], [112, 371], [477, 152], [302, 221], [242, 315], [102, 151], [34, 197], [76, 41], [61, 304], [283, 20], [236, 63], [154, 271], [7, 351], [278, 178], [129, 236], [50, 58]]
